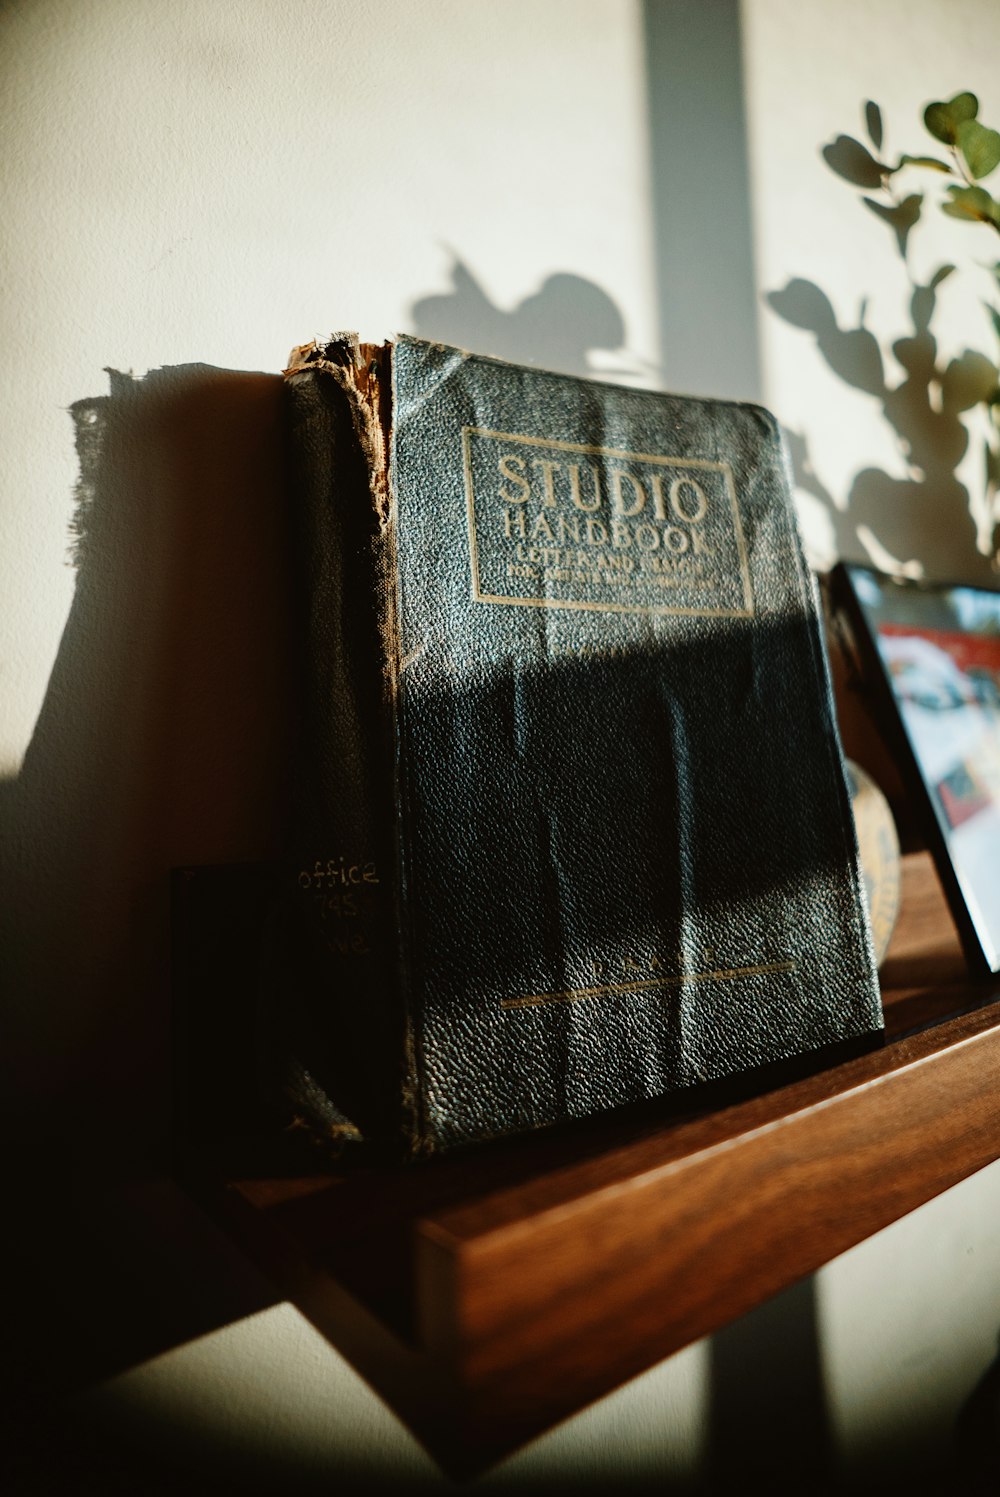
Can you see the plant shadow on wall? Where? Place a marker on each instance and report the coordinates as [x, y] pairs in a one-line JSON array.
[[560, 326], [887, 518]]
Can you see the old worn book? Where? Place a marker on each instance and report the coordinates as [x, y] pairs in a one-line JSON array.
[[572, 825]]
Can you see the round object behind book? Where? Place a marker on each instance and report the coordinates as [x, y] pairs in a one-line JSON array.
[[878, 845]]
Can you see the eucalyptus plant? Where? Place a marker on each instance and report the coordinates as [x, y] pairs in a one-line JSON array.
[[972, 154]]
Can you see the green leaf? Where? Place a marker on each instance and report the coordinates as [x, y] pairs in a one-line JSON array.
[[979, 146], [929, 161], [854, 162], [941, 274], [994, 317], [873, 124], [943, 120], [964, 106], [974, 203], [900, 217]]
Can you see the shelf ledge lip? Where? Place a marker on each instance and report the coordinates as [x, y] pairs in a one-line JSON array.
[[880, 1067]]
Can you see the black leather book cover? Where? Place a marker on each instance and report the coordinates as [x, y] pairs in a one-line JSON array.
[[574, 829]]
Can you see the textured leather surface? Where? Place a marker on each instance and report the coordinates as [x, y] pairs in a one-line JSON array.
[[619, 829]]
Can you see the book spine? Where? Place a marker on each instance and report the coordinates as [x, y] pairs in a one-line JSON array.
[[340, 991]]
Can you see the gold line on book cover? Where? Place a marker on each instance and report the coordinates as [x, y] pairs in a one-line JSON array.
[[725, 974], [593, 606]]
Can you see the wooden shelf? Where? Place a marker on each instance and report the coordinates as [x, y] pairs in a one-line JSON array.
[[490, 1295]]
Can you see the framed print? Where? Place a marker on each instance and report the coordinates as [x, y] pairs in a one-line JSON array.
[[933, 653]]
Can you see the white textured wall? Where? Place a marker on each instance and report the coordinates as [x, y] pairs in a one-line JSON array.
[[210, 182]]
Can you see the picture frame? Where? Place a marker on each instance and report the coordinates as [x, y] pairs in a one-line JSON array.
[[931, 652]]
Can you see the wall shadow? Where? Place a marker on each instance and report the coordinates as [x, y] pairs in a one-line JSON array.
[[769, 1427], [161, 740], [977, 1436], [700, 199], [921, 522]]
